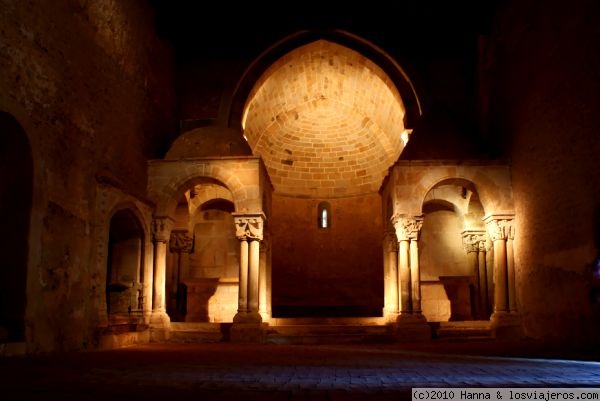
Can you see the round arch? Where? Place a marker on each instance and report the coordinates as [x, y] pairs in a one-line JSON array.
[[369, 50], [176, 190], [125, 262]]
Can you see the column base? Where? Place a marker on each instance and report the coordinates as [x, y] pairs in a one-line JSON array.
[[160, 326], [247, 333], [506, 325], [265, 316], [412, 327], [390, 316], [247, 318]]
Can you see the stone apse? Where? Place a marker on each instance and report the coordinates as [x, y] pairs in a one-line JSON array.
[[299, 205]]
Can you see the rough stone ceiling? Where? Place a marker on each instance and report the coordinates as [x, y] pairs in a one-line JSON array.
[[326, 121]]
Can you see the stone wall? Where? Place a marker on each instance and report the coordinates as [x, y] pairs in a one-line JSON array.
[[92, 87], [333, 270], [544, 96]]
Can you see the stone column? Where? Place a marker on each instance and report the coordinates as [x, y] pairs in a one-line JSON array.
[[483, 279], [180, 243], [412, 325], [243, 278], [510, 267], [471, 241], [505, 319], [253, 276], [264, 276], [390, 260], [415, 276], [249, 230], [161, 231]]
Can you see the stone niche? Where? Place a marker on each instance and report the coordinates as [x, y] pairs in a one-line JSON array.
[[210, 283]]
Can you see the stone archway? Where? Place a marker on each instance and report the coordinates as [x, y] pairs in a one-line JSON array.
[[125, 266], [16, 186]]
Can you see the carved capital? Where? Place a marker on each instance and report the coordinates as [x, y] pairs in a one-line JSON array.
[[407, 227], [181, 242], [161, 228], [390, 242], [500, 226], [472, 240], [249, 226]]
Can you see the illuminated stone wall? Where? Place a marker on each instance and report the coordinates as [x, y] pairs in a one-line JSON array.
[[337, 269], [92, 87], [544, 94]]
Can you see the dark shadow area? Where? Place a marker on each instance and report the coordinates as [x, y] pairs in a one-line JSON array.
[[16, 182], [326, 311]]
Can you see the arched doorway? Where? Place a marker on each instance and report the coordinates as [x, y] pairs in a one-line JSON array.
[[454, 282], [124, 277], [203, 263], [16, 186]]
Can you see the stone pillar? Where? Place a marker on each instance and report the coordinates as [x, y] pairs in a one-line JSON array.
[[264, 277], [483, 279], [471, 241], [415, 277], [180, 243], [253, 277], [510, 267], [411, 323], [243, 278], [505, 319], [390, 260], [249, 230], [161, 231], [404, 277]]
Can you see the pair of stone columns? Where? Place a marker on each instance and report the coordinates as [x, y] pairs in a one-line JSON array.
[[253, 277], [501, 230], [252, 284], [403, 283], [474, 242]]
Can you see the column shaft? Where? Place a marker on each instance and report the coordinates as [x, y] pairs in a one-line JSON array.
[[392, 257], [148, 283], [510, 265], [253, 276], [483, 291], [262, 285], [473, 265], [404, 277], [160, 269], [500, 276], [243, 283], [415, 276]]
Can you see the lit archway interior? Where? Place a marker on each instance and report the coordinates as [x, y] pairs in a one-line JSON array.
[[327, 122]]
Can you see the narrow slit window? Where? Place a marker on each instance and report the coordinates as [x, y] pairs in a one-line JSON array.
[[324, 215]]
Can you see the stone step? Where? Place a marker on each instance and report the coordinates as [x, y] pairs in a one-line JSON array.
[[465, 330], [336, 321], [328, 334], [192, 332]]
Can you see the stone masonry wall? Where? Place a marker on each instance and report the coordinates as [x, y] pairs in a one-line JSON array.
[[545, 64], [92, 87], [338, 268]]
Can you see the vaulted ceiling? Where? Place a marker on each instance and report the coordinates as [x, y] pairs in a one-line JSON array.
[[327, 122]]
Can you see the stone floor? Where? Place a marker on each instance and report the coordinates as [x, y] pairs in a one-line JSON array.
[[226, 371]]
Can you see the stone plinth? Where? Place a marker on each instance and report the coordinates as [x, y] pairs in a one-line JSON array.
[[248, 332], [459, 293], [211, 299], [412, 328], [506, 325]]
